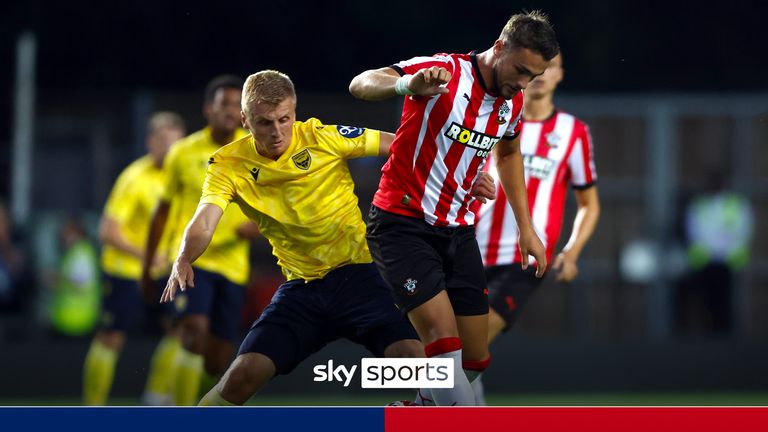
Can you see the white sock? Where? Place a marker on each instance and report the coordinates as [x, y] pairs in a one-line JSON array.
[[424, 397], [461, 394], [477, 386], [474, 371]]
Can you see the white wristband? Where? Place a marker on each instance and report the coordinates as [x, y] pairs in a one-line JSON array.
[[401, 85]]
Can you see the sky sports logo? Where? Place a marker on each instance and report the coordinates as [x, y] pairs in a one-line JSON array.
[[378, 373]]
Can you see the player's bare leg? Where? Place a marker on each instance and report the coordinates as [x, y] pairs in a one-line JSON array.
[[247, 374], [474, 331], [496, 325]]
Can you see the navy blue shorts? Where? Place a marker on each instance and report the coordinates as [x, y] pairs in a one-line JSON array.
[[123, 306], [350, 302], [216, 297], [509, 289], [419, 260]]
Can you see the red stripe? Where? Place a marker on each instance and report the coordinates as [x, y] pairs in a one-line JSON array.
[[442, 346], [437, 118], [542, 150], [491, 129], [413, 68], [476, 365], [586, 148], [497, 225], [454, 156], [577, 419], [556, 209]]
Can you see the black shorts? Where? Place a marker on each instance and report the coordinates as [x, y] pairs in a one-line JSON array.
[[509, 288], [351, 302], [419, 260]]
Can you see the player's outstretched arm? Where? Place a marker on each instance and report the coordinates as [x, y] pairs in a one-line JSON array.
[[384, 83], [509, 164], [587, 214], [197, 237]]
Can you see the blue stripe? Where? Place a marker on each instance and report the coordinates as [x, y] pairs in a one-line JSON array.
[[140, 419]]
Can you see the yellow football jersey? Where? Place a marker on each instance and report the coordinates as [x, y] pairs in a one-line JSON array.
[[131, 203], [304, 202], [185, 168]]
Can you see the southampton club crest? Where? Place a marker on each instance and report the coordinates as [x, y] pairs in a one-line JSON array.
[[503, 110], [410, 286], [302, 159]]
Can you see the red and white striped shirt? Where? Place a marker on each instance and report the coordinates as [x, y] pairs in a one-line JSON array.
[[443, 142], [556, 152]]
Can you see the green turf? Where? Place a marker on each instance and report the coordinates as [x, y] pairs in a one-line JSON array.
[[526, 399]]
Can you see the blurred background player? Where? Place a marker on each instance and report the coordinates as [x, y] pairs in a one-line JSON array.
[[123, 232], [460, 108], [74, 305], [718, 225], [557, 151], [209, 315]]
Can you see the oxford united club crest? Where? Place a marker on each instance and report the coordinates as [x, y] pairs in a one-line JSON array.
[[302, 159]]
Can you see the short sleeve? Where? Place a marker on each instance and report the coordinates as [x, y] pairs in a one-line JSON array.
[[219, 186], [413, 65], [581, 162], [348, 142], [120, 202], [170, 174]]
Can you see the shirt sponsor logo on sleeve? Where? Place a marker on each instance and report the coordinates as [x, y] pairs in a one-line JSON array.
[[350, 131]]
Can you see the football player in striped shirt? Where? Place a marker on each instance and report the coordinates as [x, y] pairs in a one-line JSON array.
[[557, 151], [459, 108]]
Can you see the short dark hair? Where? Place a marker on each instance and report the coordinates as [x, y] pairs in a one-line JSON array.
[[533, 31], [221, 81]]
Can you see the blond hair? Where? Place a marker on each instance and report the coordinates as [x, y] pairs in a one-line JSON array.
[[267, 86], [165, 119]]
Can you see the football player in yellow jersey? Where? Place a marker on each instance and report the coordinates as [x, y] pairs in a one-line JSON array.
[[292, 179], [123, 230], [209, 316]]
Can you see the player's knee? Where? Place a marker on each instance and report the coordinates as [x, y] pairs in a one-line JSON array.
[[112, 339], [248, 373], [474, 350], [407, 348], [194, 330]]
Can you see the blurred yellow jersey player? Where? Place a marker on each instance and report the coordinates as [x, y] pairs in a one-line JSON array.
[[185, 173], [209, 316], [123, 232], [303, 202]]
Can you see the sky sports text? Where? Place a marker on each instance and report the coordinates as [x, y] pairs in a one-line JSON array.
[[400, 373]]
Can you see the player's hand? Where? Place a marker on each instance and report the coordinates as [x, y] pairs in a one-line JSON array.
[[429, 82], [566, 267], [530, 244], [181, 277], [484, 188]]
